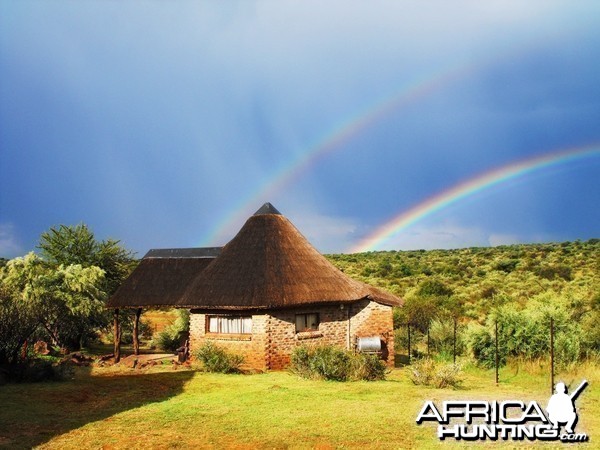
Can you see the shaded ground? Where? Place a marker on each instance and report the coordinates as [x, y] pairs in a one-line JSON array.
[[34, 413]]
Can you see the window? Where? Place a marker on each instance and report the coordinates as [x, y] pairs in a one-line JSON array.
[[307, 322], [230, 324]]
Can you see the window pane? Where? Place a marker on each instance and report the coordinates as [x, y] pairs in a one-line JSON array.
[[246, 325], [300, 322], [307, 322], [213, 324], [230, 324], [235, 325]]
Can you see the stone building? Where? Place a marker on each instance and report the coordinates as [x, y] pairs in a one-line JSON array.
[[264, 293]]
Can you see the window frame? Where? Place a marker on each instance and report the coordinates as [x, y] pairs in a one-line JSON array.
[[221, 330], [306, 328]]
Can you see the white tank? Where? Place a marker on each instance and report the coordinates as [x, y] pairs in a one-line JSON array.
[[369, 344]]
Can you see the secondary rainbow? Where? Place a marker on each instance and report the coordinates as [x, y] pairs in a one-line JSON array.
[[404, 220], [334, 138]]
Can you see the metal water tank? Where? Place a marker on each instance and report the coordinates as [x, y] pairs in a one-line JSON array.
[[369, 344]]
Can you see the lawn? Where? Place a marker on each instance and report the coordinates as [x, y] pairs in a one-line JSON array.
[[161, 407]]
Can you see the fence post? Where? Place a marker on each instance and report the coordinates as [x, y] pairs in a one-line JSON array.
[[408, 342], [551, 355], [496, 352], [454, 344], [428, 323]]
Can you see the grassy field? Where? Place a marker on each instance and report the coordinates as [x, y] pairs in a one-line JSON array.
[[165, 408]]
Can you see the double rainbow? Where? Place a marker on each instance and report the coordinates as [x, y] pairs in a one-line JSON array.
[[404, 220]]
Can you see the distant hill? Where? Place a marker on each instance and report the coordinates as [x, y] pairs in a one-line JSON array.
[[481, 276]]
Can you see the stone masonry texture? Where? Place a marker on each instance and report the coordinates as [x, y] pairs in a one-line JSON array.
[[274, 336]]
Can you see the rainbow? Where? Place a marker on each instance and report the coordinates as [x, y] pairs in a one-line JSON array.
[[467, 188], [332, 140], [343, 131]]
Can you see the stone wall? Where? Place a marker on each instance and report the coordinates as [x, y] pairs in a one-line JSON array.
[[251, 346], [333, 329], [373, 319], [274, 334]]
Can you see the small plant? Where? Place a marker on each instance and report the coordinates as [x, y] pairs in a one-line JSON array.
[[440, 375], [369, 367], [167, 341], [174, 335], [217, 359], [332, 363]]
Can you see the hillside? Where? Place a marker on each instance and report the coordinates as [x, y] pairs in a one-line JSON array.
[[481, 277]]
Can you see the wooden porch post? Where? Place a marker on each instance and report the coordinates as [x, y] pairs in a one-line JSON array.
[[136, 339], [117, 336]]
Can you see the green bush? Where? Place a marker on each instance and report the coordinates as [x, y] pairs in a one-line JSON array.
[[368, 367], [440, 375], [333, 363], [525, 333], [217, 359], [167, 341], [174, 335], [441, 332]]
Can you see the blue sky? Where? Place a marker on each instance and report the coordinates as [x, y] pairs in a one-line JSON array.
[[153, 122]]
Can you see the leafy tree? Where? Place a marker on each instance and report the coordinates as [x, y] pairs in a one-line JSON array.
[[60, 296], [69, 245], [67, 302], [18, 321]]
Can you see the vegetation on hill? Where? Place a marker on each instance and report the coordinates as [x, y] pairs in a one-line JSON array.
[[519, 286]]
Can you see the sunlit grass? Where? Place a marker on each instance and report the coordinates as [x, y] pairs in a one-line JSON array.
[[163, 408]]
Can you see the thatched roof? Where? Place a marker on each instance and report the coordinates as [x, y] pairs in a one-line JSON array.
[[269, 264], [162, 276]]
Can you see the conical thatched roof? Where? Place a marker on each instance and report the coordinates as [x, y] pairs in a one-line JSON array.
[[269, 264], [161, 277]]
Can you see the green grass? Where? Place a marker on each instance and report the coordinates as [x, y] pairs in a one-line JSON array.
[[166, 408]]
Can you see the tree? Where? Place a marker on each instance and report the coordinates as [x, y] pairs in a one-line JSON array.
[[66, 302], [68, 245], [18, 322], [60, 296]]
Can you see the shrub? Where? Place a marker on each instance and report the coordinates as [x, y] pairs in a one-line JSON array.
[[525, 333], [368, 367], [167, 341], [506, 265], [217, 359], [333, 363], [174, 335], [440, 375], [330, 363]]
